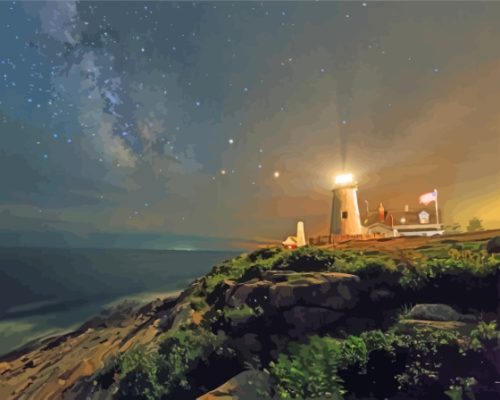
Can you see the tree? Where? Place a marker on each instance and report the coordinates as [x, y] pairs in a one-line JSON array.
[[453, 228], [475, 224]]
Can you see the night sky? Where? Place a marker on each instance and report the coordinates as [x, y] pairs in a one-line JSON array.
[[213, 125]]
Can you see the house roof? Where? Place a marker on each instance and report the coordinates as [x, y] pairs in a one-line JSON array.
[[290, 240], [411, 216], [380, 225]]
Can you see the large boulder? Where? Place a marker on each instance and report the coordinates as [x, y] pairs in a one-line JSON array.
[[247, 385], [283, 289], [303, 320], [493, 245], [335, 291], [437, 312], [251, 293], [216, 297], [298, 303]]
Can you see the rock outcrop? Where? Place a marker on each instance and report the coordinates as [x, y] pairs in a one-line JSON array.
[[278, 290], [292, 304], [49, 370], [493, 245], [247, 385], [438, 312]]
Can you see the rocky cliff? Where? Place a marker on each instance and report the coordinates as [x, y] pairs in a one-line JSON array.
[[410, 323]]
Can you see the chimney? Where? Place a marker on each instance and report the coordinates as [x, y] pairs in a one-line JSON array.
[[381, 212]]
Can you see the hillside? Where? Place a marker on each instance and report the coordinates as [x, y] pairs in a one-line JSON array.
[[397, 319]]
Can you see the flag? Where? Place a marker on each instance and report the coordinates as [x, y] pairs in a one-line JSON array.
[[428, 198]]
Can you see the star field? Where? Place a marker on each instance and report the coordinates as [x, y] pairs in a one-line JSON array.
[[207, 118]]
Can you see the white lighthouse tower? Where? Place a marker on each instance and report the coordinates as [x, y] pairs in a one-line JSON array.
[[345, 219]]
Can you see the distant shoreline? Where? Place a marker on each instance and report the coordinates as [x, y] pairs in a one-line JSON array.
[[131, 301], [120, 248], [48, 291]]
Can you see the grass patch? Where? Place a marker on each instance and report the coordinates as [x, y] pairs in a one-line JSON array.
[[241, 313]]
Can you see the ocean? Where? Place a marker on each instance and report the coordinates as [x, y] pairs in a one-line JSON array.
[[48, 291]]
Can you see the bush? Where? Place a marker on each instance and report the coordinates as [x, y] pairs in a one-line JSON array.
[[304, 259], [241, 313], [362, 265], [149, 375], [237, 268], [139, 375], [377, 340], [308, 371], [423, 350], [353, 351], [265, 253], [253, 272], [328, 367], [418, 271], [179, 352], [462, 389], [198, 303], [483, 333]]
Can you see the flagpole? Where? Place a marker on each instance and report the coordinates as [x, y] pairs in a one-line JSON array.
[[436, 204]]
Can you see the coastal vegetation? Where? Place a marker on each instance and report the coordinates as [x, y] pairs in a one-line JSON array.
[[351, 322], [390, 354], [384, 363]]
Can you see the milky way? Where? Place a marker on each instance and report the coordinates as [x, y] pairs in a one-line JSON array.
[[228, 119]]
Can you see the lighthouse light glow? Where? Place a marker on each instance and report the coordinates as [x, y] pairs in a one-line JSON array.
[[344, 179]]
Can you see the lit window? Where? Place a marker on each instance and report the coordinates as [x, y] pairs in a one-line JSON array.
[[423, 217]]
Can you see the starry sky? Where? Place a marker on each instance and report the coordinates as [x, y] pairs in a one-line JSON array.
[[220, 124]]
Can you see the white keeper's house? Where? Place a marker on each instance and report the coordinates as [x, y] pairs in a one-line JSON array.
[[420, 221]]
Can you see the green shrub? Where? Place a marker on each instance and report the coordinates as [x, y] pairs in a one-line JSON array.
[[198, 303], [253, 272], [241, 313], [462, 389], [378, 340], [234, 270], [308, 371], [483, 332], [139, 374], [265, 253], [363, 265], [423, 348], [151, 375], [419, 270], [304, 259], [313, 369], [179, 352], [353, 351]]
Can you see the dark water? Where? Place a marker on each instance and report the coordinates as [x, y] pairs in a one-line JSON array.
[[45, 291]]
